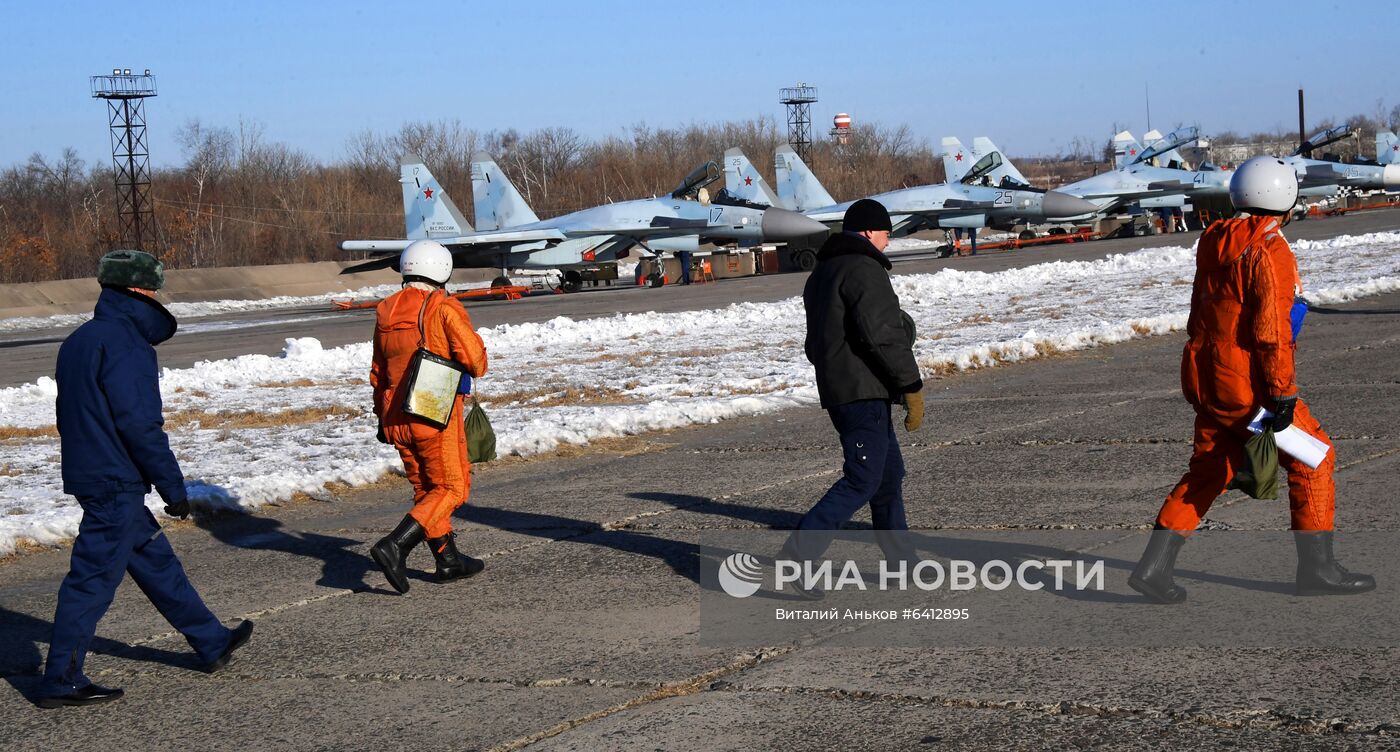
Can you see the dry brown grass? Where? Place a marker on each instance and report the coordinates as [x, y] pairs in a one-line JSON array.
[[229, 421], [17, 433], [24, 547], [736, 391], [550, 397], [635, 360], [6, 471]]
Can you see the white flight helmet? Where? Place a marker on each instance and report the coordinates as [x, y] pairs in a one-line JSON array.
[[1264, 183], [427, 259]]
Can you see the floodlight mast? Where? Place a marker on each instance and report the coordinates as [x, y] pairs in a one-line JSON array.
[[126, 94], [798, 100]]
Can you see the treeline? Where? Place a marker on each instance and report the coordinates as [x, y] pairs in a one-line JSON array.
[[240, 199]]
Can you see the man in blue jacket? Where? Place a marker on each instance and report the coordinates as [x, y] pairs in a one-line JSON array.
[[114, 450]]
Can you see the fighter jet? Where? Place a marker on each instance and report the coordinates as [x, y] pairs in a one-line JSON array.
[[1325, 177], [512, 236], [911, 209], [1138, 182]]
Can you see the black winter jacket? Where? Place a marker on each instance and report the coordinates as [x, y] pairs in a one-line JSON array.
[[109, 407], [858, 339]]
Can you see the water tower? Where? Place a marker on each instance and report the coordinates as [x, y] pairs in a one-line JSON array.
[[841, 129]]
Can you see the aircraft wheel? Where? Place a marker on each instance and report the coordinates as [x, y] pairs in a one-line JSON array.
[[502, 281], [654, 279], [571, 282], [1057, 231], [806, 259], [1027, 235], [944, 251]]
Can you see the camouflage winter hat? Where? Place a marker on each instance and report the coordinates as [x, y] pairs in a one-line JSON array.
[[131, 269]]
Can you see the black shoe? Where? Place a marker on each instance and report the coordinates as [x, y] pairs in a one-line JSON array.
[[1319, 573], [238, 639], [451, 563], [89, 695], [1153, 575], [391, 552]]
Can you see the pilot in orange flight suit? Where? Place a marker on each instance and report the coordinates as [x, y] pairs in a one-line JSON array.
[[434, 459], [1240, 358]]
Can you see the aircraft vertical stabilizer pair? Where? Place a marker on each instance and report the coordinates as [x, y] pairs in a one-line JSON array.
[[968, 203], [510, 235]]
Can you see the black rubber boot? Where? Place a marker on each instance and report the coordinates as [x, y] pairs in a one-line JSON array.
[[391, 552], [1319, 573], [1153, 575], [451, 563]]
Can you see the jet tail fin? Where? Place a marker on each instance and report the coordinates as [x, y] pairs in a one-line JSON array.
[[982, 146], [798, 188], [1162, 150], [1126, 149], [1387, 148], [743, 181], [427, 211], [956, 159], [498, 204]]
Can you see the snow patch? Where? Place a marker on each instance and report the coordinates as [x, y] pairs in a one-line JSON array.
[[565, 381]]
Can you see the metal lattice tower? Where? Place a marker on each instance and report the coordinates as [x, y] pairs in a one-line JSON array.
[[798, 100], [126, 94]]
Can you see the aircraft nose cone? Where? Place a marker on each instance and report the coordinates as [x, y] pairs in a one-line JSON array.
[[1056, 204], [782, 225]]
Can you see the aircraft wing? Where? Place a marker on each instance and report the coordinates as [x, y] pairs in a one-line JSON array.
[[1324, 174], [958, 206], [1153, 189], [660, 227]]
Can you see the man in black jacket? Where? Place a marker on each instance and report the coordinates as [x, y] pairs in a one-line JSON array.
[[861, 345]]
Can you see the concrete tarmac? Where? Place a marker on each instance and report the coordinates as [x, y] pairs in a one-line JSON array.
[[583, 632]]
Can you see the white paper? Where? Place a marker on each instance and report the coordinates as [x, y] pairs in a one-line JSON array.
[[1294, 441]]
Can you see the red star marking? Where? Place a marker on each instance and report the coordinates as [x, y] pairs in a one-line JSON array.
[[1395, 147], [427, 193], [748, 181], [958, 157], [1132, 152]]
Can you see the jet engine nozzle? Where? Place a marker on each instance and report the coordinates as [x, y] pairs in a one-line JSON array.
[[782, 225], [1058, 205]]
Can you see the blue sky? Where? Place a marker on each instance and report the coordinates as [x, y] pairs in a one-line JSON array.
[[1032, 75]]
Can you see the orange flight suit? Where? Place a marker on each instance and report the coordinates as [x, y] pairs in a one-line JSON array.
[[1239, 358], [435, 459]]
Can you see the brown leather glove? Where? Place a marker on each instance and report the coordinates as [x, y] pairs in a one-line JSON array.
[[913, 411]]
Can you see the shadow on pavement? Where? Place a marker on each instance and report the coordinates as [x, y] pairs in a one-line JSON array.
[[343, 564], [22, 665]]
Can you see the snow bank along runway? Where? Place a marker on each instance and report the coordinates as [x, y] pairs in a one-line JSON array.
[[256, 429]]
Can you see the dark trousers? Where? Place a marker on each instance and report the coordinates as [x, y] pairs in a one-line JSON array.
[[118, 535], [684, 258], [872, 473]]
